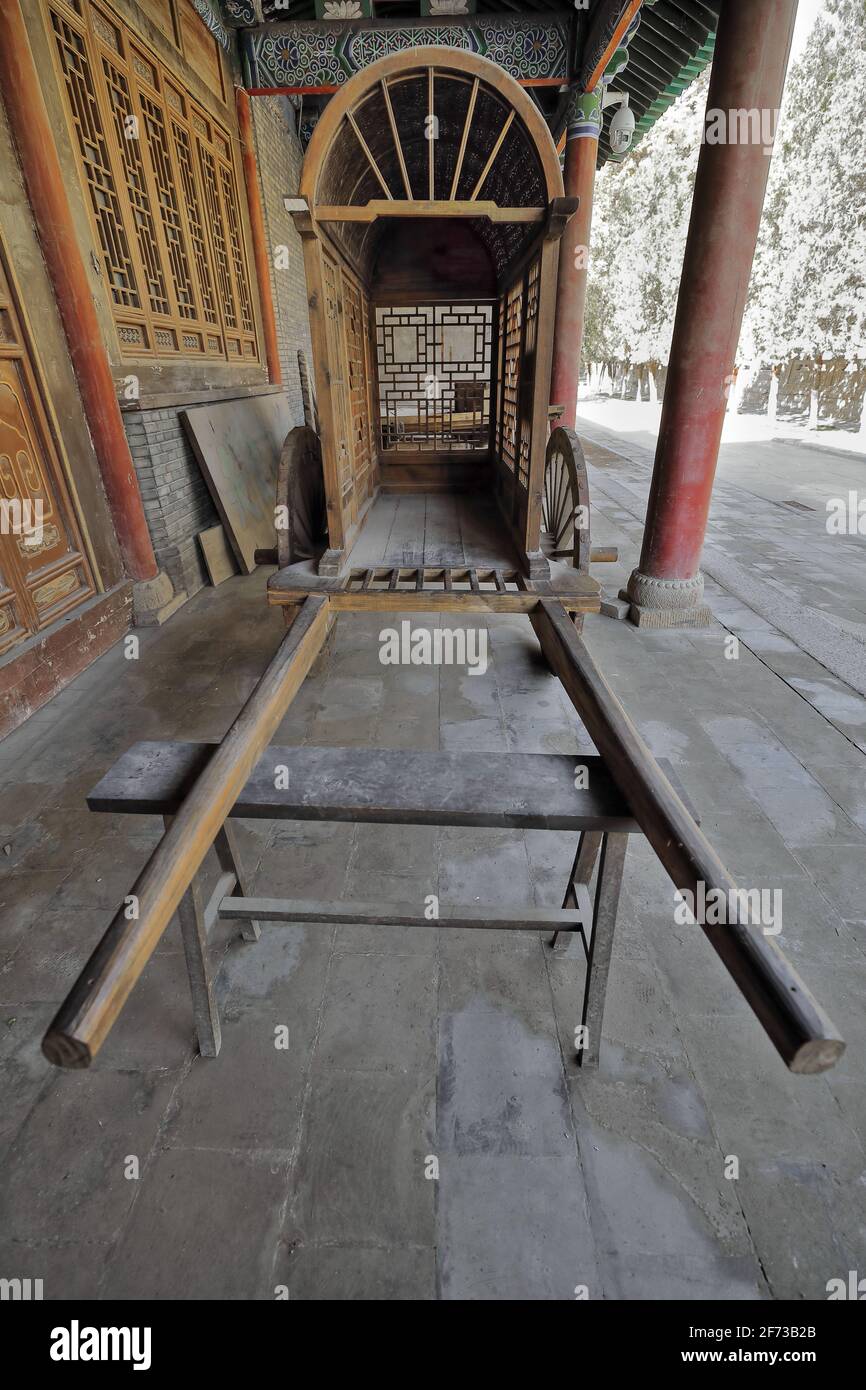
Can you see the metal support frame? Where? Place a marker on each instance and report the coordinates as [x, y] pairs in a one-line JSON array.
[[610, 850], [229, 900], [196, 919]]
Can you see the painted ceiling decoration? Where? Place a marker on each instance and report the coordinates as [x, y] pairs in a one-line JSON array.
[[313, 47], [325, 54], [241, 14]]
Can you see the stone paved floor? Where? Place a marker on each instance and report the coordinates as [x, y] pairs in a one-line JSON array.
[[306, 1167]]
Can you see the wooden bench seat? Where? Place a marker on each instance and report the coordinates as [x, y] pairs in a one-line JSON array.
[[518, 791], [522, 791]]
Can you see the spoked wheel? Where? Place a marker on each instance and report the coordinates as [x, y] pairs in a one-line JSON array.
[[301, 490], [565, 501]]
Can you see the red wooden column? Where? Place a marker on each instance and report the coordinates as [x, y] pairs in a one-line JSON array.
[[748, 79], [31, 131], [581, 152]]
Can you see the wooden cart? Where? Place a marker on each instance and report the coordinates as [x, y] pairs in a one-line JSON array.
[[431, 209]]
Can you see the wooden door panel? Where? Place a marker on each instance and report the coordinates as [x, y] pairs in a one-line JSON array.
[[332, 282], [43, 572]]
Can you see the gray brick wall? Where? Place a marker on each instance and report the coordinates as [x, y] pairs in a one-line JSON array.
[[176, 499], [279, 159], [177, 503]]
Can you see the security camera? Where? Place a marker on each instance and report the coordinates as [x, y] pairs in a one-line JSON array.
[[622, 129]]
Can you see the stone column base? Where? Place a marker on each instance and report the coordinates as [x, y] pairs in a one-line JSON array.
[[663, 603], [154, 601]]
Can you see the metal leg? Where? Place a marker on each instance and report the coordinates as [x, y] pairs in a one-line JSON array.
[[226, 847], [193, 930], [607, 891], [192, 926], [588, 847]]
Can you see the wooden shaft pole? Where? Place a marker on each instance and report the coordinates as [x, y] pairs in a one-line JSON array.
[[805, 1037], [86, 1015], [33, 136], [260, 245]]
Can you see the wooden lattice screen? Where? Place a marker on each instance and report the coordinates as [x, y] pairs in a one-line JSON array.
[[518, 338], [433, 367], [510, 356], [162, 191]]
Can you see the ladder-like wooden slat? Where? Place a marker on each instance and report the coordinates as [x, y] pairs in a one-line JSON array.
[[397, 145], [492, 157], [373, 165], [458, 168]]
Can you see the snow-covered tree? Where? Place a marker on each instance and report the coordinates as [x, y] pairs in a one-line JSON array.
[[807, 299]]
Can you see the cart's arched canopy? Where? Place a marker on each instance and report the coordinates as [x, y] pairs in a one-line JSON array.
[[428, 133]]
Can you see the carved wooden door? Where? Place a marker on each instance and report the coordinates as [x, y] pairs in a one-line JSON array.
[[44, 572]]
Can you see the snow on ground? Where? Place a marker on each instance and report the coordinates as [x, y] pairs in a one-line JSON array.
[[629, 417]]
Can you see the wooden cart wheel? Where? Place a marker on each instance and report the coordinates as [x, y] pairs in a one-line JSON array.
[[565, 499], [301, 490]]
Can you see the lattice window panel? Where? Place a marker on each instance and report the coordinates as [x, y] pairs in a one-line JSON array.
[[354, 320], [511, 373], [86, 118], [136, 187], [500, 375], [331, 279], [434, 363], [212, 203], [169, 209], [163, 194], [233, 225], [530, 337], [183, 153]]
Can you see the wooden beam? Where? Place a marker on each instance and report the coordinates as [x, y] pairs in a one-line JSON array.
[[382, 786], [422, 207], [257, 230], [366, 148], [492, 156], [82, 1022], [431, 126], [805, 1037], [396, 134], [578, 593], [467, 125], [358, 914], [605, 16]]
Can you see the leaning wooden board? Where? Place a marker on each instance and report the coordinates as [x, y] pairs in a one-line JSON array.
[[237, 444], [217, 554]]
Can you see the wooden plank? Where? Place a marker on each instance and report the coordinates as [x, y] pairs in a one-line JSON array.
[[81, 1024], [396, 137], [426, 207], [431, 126], [467, 126], [359, 914], [578, 593], [803, 1034], [373, 165], [491, 159], [237, 445], [533, 791], [217, 554]]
